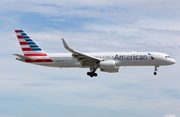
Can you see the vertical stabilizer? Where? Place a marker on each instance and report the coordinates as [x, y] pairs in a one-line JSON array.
[[32, 52], [28, 46]]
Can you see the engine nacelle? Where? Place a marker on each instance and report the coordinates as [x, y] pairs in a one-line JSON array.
[[110, 70], [108, 66]]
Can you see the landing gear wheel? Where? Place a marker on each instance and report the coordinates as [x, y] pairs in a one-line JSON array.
[[88, 73], [91, 74], [95, 74], [155, 70]]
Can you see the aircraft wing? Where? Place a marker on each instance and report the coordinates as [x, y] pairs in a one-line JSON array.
[[81, 57]]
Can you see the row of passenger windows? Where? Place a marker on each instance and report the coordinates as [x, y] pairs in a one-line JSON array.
[[73, 57], [61, 57], [103, 56]]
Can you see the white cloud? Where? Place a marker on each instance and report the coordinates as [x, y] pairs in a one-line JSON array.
[[170, 115], [159, 24], [7, 115], [94, 9], [100, 2]]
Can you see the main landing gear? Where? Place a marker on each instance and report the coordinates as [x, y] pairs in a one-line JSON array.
[[92, 73], [155, 70]]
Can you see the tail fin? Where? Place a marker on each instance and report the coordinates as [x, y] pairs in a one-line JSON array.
[[29, 47]]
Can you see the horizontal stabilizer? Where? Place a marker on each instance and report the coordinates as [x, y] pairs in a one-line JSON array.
[[24, 57]]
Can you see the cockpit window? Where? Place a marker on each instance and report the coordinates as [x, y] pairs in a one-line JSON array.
[[167, 57]]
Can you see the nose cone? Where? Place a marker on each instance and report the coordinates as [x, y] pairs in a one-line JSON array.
[[173, 61]]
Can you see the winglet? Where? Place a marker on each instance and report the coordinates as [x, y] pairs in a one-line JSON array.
[[66, 46], [79, 53]]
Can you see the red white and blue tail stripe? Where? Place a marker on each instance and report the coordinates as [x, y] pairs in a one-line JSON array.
[[30, 48]]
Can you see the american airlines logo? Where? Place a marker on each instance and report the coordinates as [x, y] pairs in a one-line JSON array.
[[133, 57], [151, 56]]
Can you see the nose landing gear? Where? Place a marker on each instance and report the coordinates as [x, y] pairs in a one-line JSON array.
[[155, 70]]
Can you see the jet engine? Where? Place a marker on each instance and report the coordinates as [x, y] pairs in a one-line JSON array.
[[108, 66]]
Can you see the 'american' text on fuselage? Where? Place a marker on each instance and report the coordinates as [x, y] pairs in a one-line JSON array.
[[130, 57]]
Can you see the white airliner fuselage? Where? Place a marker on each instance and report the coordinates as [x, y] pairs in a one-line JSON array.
[[124, 59], [106, 62]]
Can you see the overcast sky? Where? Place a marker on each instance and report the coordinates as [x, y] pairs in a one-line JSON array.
[[90, 26]]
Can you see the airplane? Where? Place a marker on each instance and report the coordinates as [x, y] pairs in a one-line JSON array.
[[105, 61]]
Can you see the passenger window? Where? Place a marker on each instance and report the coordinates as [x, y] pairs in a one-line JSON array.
[[167, 57]]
